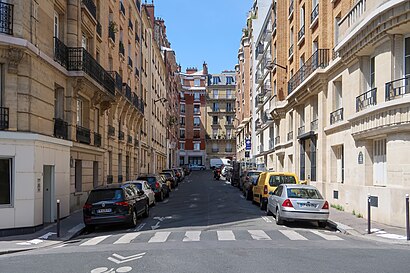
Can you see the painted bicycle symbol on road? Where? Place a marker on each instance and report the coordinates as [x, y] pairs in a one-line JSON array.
[[123, 269], [118, 259]]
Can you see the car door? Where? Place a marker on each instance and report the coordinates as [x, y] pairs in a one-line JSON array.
[[133, 191], [276, 197], [258, 188], [148, 191]]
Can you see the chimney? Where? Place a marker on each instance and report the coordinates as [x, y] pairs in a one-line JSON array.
[[205, 68], [191, 70], [150, 9]]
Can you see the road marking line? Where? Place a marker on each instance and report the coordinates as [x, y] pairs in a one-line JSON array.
[[95, 241], [326, 236], [293, 235], [60, 246], [243, 197], [259, 235], [127, 238], [267, 220], [192, 236], [159, 237], [226, 235]]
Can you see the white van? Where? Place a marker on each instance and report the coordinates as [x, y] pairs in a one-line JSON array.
[[218, 162]]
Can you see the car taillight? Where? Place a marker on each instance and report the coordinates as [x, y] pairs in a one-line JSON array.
[[178, 174], [265, 189], [157, 185], [87, 206], [326, 205], [287, 203], [123, 204]]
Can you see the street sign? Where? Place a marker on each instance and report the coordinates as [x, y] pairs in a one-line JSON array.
[[248, 144]]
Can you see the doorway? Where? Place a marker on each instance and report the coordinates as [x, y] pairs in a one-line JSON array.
[[48, 194]]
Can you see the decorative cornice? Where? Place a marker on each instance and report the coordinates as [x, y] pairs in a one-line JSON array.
[[14, 57]]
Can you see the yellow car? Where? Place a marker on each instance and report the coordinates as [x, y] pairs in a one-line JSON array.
[[268, 182]]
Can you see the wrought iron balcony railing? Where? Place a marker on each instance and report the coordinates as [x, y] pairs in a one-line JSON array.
[[314, 15], [291, 51], [137, 72], [117, 79], [398, 88], [83, 135], [6, 18], [78, 59], [121, 135], [126, 91], [366, 99], [314, 125], [60, 128], [89, 4], [290, 136], [111, 131], [301, 130], [4, 118], [111, 33], [301, 33], [319, 59], [97, 139], [336, 116]]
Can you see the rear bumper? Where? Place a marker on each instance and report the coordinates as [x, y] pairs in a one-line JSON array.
[[307, 216], [106, 220]]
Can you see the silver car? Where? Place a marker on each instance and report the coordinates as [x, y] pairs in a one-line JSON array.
[[298, 202]]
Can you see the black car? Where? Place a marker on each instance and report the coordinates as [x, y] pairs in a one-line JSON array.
[[157, 184], [174, 175], [168, 177], [113, 204]]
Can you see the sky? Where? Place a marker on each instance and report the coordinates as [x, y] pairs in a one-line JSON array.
[[204, 30]]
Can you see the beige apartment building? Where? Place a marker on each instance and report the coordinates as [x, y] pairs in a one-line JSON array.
[[82, 104], [220, 108]]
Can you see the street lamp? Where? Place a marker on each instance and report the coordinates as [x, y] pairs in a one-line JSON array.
[[270, 67], [163, 100]]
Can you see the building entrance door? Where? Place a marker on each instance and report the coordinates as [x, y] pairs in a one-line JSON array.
[[379, 162], [48, 194]]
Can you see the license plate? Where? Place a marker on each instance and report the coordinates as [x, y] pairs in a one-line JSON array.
[[307, 205], [103, 210]]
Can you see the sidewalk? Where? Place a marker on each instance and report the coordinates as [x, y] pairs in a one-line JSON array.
[[350, 224], [71, 226]]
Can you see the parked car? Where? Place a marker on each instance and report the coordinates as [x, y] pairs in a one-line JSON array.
[[249, 178], [236, 173], [182, 173], [291, 202], [187, 169], [197, 167], [167, 178], [268, 182], [113, 204], [143, 185], [174, 175], [157, 184]]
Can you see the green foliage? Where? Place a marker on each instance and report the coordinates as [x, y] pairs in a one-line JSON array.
[[338, 207]]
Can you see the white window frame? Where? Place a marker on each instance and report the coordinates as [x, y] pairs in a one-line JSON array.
[[197, 82], [197, 144], [197, 96]]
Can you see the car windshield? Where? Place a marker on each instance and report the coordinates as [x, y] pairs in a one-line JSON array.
[[303, 193], [276, 180], [138, 185], [105, 195], [166, 174], [149, 179]]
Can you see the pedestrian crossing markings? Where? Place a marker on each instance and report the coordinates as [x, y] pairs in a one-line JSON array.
[[221, 235]]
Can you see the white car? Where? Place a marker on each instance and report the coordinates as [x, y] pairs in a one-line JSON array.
[[143, 185]]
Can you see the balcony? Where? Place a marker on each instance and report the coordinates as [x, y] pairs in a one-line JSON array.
[[121, 135], [336, 116], [117, 79], [126, 91], [274, 25], [366, 99], [290, 136], [291, 5], [130, 62], [4, 118], [6, 18], [290, 51], [129, 139], [60, 128], [122, 8], [111, 131], [97, 139], [89, 4], [83, 135], [301, 34], [110, 179], [98, 29], [277, 140], [301, 130], [314, 16], [259, 51], [319, 59], [111, 32], [397, 88], [266, 118], [130, 25], [314, 125], [121, 48], [78, 59]]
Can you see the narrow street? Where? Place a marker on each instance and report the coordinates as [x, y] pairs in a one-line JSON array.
[[207, 226]]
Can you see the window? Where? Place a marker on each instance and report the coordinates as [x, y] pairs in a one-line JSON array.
[[314, 46], [336, 34], [84, 42], [229, 133], [215, 94], [215, 120], [197, 134], [182, 121], [182, 108], [229, 120], [58, 103], [215, 107], [79, 112], [407, 57], [5, 181], [340, 164], [197, 121], [216, 80], [197, 96], [302, 17], [182, 133], [197, 109], [229, 80], [291, 37], [197, 146], [338, 95], [182, 146], [228, 94], [214, 133], [197, 82], [96, 120], [372, 73], [229, 107], [56, 25]]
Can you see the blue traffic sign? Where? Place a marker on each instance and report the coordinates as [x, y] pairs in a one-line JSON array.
[[248, 144]]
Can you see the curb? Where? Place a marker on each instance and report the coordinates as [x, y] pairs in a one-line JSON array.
[[11, 251]]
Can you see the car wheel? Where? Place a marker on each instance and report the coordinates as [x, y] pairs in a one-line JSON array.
[[322, 224], [278, 219], [146, 211], [134, 219]]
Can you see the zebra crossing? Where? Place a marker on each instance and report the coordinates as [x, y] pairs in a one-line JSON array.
[[219, 235]]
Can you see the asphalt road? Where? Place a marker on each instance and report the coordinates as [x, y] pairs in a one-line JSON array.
[[207, 226]]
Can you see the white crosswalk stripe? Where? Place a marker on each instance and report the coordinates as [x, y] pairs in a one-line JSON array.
[[225, 235], [292, 235], [192, 236], [222, 235], [127, 238], [259, 235], [95, 241], [159, 237], [327, 237]]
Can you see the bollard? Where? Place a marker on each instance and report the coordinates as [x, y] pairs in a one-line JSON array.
[[407, 218], [368, 214], [58, 218]]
